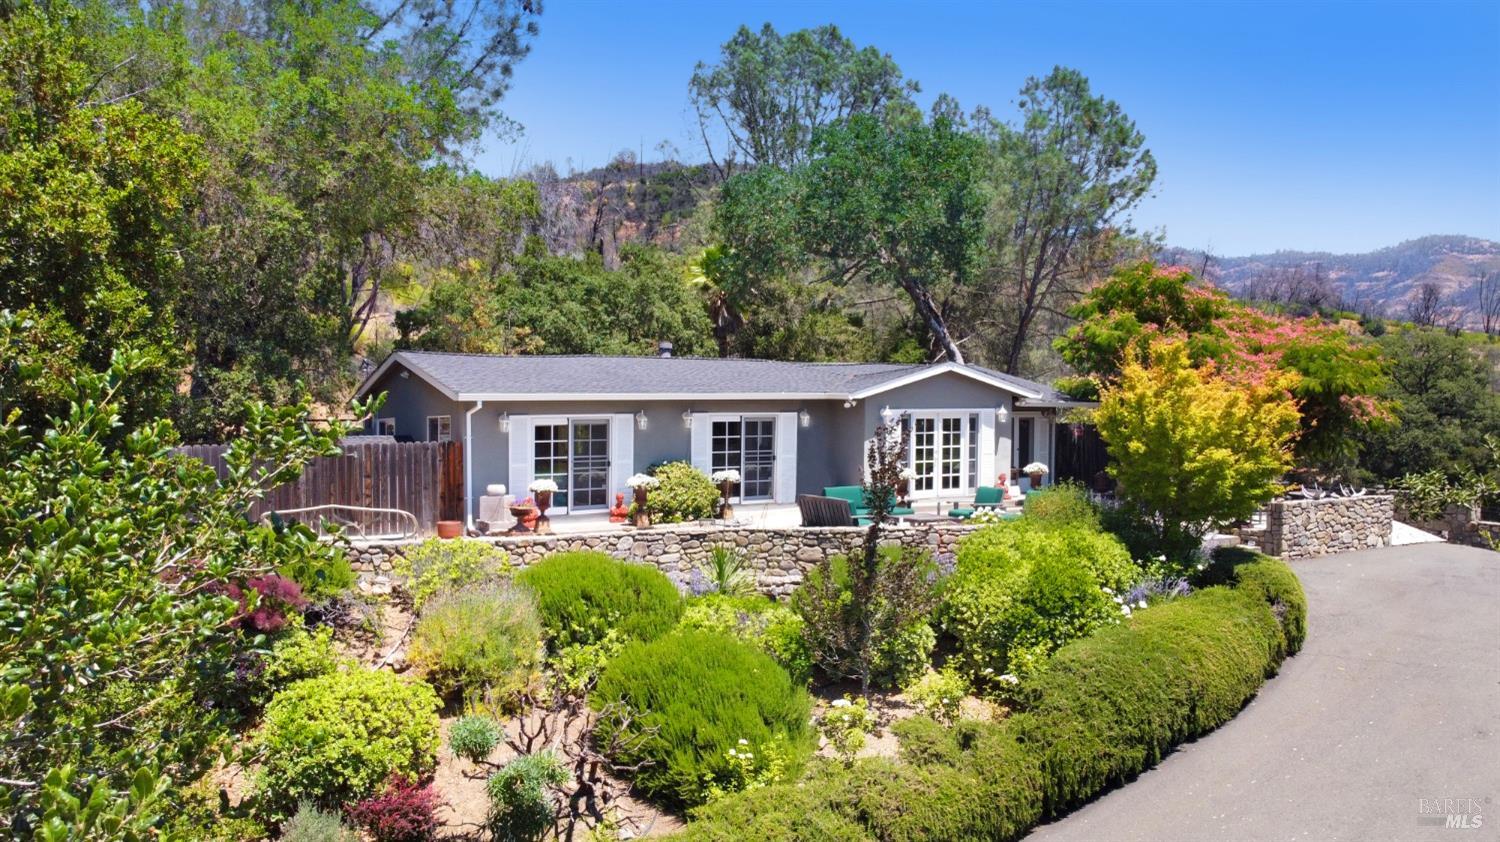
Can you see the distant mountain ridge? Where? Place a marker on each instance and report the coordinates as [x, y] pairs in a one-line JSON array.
[[1381, 281]]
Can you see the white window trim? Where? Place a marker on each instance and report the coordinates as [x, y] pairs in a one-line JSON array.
[[743, 417], [1043, 431], [440, 434], [560, 503], [380, 426]]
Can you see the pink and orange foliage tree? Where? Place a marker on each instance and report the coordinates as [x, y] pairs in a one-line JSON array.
[[1336, 378]]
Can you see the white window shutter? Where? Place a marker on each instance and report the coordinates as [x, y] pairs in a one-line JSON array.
[[786, 457], [701, 445], [522, 437], [621, 453], [986, 433]]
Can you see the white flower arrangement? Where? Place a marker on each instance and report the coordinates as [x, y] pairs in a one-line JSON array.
[[1035, 468], [642, 481], [540, 486], [728, 475], [908, 473]]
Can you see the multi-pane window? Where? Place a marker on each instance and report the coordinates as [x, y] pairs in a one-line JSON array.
[[973, 450], [551, 462], [944, 451], [953, 461], [924, 452], [439, 428], [747, 445], [590, 487], [385, 426]]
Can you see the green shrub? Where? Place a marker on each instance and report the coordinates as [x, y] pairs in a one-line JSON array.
[[685, 493], [520, 807], [1062, 504], [483, 643], [1112, 705], [902, 634], [1022, 589], [309, 824], [692, 696], [1108, 707], [939, 694], [582, 595], [436, 565], [322, 575], [767, 625], [296, 654], [336, 738], [474, 737], [1272, 579]]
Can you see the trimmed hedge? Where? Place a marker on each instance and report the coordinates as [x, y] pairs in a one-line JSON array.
[[760, 621], [1108, 707], [693, 696], [582, 595]]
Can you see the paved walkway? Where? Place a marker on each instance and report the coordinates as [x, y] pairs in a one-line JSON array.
[[1394, 699]]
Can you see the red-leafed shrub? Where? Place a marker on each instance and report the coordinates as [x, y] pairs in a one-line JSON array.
[[403, 811], [277, 596]]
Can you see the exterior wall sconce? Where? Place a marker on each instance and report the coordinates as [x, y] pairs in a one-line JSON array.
[[505, 422], [687, 419], [640, 419], [804, 418], [1001, 414], [887, 415], [849, 404]]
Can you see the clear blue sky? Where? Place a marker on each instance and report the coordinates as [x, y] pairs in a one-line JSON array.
[[1330, 126]]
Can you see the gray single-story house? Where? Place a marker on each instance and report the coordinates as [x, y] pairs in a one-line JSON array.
[[789, 428]]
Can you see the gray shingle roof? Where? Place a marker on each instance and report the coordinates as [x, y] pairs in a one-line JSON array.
[[470, 375]]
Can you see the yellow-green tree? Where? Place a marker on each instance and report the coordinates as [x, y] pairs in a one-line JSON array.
[[1192, 449]]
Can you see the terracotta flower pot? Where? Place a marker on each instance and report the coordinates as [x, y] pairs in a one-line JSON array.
[[1036, 479], [543, 524], [726, 511], [449, 529], [641, 518]]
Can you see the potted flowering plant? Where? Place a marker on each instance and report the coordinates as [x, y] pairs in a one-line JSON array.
[[1035, 470], [726, 481], [908, 476], [640, 484], [525, 512], [543, 489]]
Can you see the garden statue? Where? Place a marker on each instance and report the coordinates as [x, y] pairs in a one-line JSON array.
[[619, 512]]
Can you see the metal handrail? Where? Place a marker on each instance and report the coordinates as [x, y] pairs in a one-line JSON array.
[[401, 536]]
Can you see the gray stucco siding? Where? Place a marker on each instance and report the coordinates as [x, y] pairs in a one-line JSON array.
[[410, 400]]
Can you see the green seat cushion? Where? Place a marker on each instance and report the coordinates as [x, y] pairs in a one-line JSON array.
[[989, 495], [852, 493], [903, 510], [960, 511]]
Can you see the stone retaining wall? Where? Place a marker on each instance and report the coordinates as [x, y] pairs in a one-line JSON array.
[[779, 557], [1304, 528]]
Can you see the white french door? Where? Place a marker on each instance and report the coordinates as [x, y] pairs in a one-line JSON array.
[[746, 444], [943, 451], [574, 453]]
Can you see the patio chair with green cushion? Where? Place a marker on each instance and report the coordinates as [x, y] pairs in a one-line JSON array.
[[827, 511], [855, 495], [985, 497]]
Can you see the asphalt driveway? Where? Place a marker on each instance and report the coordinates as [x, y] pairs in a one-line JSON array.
[[1385, 724]]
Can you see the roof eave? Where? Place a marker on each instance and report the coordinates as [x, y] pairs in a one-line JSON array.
[[933, 371]]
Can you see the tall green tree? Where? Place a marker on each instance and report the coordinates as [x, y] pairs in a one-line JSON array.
[[770, 93], [96, 191], [1063, 183], [885, 206]]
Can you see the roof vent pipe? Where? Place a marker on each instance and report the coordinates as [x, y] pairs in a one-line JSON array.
[[664, 348]]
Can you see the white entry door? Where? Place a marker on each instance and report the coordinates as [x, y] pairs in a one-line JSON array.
[[574, 453]]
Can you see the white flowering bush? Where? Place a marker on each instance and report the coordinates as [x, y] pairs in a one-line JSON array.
[[844, 726], [541, 486], [642, 481], [1035, 468], [721, 477]]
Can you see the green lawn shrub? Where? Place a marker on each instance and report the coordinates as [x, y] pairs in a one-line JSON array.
[[310, 824], [297, 654], [1108, 707], [685, 493], [322, 572], [520, 803], [1062, 504], [582, 595], [900, 616], [483, 644], [335, 739], [474, 738], [1023, 588], [1272, 579], [692, 697], [769, 626], [436, 565]]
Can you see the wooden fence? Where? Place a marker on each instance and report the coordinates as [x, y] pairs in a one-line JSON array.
[[424, 478]]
